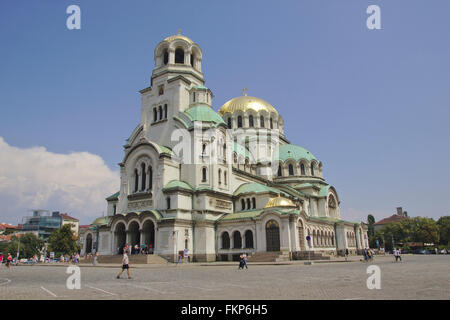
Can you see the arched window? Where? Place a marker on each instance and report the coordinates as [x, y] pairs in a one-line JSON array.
[[243, 204], [114, 209], [225, 240], [248, 203], [271, 123], [250, 121], [179, 56], [186, 242], [225, 177], [204, 149], [203, 174], [279, 173], [312, 169], [150, 178], [261, 121], [165, 111], [254, 203], [229, 123], [155, 115], [248, 239], [192, 60], [239, 122], [144, 176], [291, 170], [168, 203], [237, 240], [136, 180], [194, 96], [220, 176], [166, 56], [302, 169], [160, 112]]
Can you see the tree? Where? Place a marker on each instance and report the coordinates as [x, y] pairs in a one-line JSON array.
[[415, 229], [444, 229], [371, 231], [62, 241], [30, 245]]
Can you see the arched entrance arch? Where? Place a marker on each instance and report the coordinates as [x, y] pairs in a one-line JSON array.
[[148, 235], [135, 236], [88, 243], [272, 236], [120, 236]]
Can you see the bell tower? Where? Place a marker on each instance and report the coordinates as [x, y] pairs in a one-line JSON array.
[[177, 69]]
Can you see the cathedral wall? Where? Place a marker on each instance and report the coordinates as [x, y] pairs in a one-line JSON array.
[[204, 238]]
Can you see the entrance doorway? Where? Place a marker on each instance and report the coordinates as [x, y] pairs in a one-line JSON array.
[[121, 237], [272, 236], [88, 243], [148, 234]]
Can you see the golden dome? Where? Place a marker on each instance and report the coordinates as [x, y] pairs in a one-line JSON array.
[[279, 202], [178, 37], [246, 103]]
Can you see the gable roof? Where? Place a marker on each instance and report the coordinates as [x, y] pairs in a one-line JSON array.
[[391, 219], [65, 216]]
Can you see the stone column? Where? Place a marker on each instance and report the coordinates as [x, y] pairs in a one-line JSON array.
[[187, 58], [141, 237], [171, 55]]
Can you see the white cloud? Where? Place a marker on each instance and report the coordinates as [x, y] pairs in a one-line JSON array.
[[34, 178]]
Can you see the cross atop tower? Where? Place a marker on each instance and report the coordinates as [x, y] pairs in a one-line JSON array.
[[179, 31], [245, 91]]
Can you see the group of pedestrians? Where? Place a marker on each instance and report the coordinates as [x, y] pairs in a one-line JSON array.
[[136, 249], [8, 260], [243, 261], [397, 254], [368, 254]]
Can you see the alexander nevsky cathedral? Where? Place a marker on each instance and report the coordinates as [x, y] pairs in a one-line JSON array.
[[217, 183]]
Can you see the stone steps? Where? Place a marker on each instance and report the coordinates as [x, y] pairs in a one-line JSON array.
[[134, 259], [311, 255], [276, 256]]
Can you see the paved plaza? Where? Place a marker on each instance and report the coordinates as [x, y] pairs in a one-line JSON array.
[[417, 277]]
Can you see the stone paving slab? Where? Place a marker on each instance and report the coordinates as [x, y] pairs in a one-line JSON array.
[[417, 277]]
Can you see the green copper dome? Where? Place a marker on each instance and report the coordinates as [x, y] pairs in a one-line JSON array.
[[177, 184], [290, 151], [204, 113]]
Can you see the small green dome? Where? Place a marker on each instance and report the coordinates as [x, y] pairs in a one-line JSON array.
[[177, 184], [101, 221], [255, 188], [204, 113], [290, 151]]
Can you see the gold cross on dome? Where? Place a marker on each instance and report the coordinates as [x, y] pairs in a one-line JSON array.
[[245, 91], [179, 31]]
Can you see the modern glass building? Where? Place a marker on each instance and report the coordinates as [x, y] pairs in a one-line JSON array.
[[42, 221]]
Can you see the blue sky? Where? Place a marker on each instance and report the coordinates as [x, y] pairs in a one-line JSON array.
[[372, 105]]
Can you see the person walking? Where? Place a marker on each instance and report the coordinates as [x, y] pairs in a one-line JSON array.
[[399, 254], [395, 254], [8, 260], [365, 254], [346, 254], [245, 260], [369, 255], [95, 260], [241, 262], [125, 265], [1, 259]]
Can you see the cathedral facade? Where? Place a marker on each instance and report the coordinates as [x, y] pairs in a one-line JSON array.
[[217, 183]]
